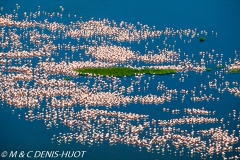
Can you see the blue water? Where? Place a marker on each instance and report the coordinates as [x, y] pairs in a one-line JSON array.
[[220, 16]]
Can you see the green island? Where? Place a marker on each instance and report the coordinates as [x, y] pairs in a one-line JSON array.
[[219, 67], [67, 79], [234, 71], [121, 72], [209, 69], [202, 39]]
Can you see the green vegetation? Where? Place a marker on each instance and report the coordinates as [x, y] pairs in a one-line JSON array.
[[209, 69], [219, 67], [202, 39], [67, 79], [120, 72], [234, 71]]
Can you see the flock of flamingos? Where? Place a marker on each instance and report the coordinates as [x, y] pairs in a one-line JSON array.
[[35, 56]]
